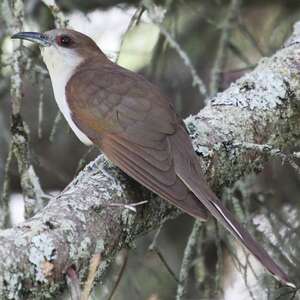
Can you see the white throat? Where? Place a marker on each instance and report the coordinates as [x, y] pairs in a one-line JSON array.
[[61, 64]]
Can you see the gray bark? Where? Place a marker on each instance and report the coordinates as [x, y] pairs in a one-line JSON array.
[[261, 108]]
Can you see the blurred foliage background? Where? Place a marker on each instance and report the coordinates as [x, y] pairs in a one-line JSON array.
[[127, 35]]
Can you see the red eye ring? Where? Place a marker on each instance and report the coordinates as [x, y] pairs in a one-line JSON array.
[[63, 40]]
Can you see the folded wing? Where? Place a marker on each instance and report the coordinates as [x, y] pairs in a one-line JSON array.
[[137, 128]]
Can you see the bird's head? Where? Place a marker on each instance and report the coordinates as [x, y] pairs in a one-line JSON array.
[[62, 47]]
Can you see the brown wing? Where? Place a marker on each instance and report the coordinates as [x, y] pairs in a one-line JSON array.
[[131, 127], [139, 131], [156, 175]]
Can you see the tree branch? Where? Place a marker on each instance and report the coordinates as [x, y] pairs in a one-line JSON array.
[[34, 195], [262, 108]]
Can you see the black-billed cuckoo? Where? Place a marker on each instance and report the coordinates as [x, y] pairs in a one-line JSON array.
[[135, 126]]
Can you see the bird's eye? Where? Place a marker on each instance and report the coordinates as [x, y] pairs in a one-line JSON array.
[[64, 40]]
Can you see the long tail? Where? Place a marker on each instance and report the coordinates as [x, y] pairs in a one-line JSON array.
[[224, 216], [188, 170]]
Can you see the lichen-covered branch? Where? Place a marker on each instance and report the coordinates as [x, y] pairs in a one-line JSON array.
[[262, 108], [4, 205], [13, 14]]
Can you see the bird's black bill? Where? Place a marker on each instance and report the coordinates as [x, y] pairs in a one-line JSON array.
[[35, 37]]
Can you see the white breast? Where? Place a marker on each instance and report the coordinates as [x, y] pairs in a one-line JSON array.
[[61, 66]]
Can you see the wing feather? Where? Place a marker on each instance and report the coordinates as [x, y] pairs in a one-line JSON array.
[[136, 127], [164, 183]]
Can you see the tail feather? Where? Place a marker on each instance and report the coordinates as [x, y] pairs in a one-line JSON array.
[[188, 170], [223, 215]]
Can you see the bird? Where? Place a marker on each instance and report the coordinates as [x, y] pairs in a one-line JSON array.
[[136, 127]]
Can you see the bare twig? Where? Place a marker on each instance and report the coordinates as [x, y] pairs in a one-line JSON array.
[[155, 16], [83, 159], [59, 18], [227, 27], [20, 145], [41, 105], [17, 11], [60, 22], [239, 53], [4, 205], [56, 122], [131, 206], [243, 28], [154, 247], [94, 264], [187, 258], [135, 19], [119, 276], [220, 260], [157, 251]]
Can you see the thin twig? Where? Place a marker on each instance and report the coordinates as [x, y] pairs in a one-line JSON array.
[[60, 22], [4, 204], [119, 276], [131, 206], [56, 122], [245, 31], [41, 105], [32, 190], [219, 63], [134, 20], [186, 261], [155, 17], [220, 260], [197, 81], [94, 264], [241, 267], [153, 247], [59, 18], [83, 159], [165, 263], [239, 53]]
